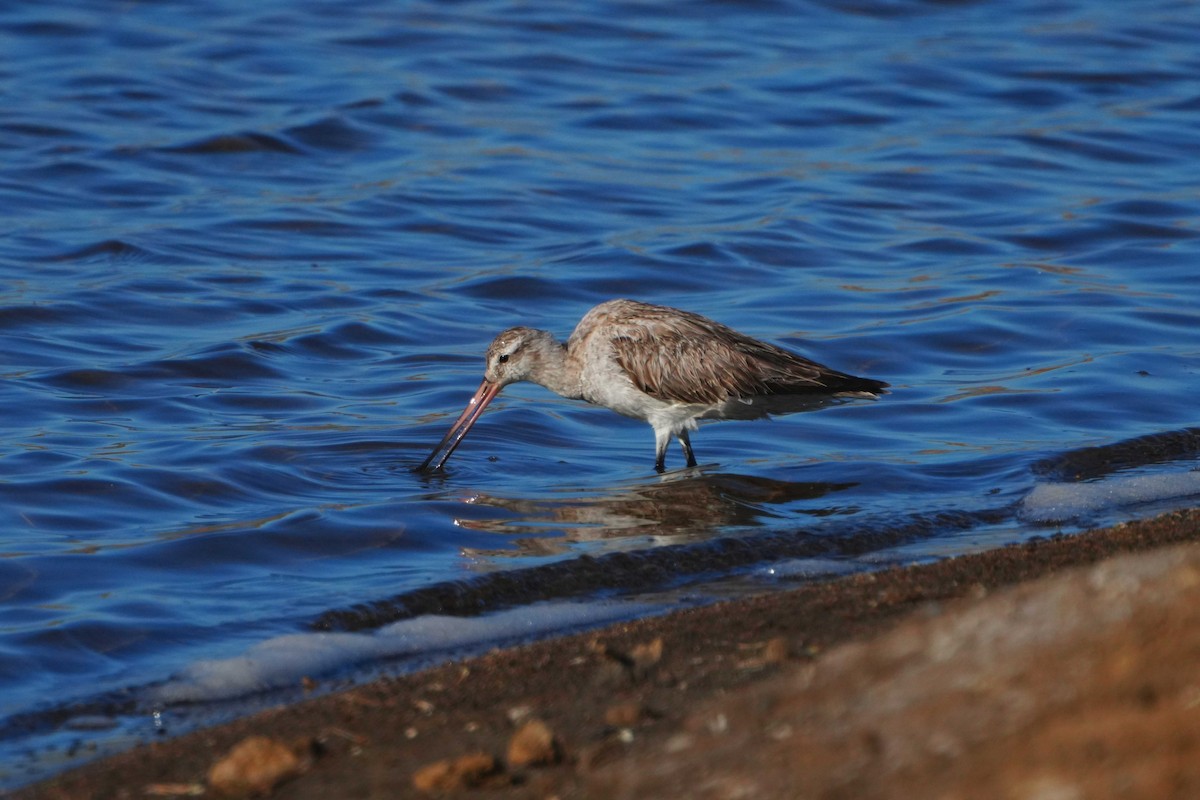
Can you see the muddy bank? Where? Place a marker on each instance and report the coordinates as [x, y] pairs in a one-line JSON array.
[[1065, 667]]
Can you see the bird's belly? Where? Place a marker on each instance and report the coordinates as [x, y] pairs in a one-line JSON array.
[[625, 400]]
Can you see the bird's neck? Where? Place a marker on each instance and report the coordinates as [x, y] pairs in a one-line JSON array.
[[556, 370]]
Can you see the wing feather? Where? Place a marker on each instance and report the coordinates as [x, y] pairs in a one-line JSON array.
[[682, 357]]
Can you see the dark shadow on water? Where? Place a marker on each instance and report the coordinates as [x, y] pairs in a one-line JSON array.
[[1091, 463]]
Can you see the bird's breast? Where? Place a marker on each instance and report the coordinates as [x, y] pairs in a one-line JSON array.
[[616, 392]]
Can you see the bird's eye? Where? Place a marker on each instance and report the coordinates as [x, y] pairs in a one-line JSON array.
[[503, 359]]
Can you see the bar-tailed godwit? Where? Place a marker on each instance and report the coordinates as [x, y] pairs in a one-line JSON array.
[[659, 364]]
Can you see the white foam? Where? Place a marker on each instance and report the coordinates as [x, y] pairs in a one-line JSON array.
[[1059, 502], [284, 660]]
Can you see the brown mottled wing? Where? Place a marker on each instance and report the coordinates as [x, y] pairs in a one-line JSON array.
[[686, 358]]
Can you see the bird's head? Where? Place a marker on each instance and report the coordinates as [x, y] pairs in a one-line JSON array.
[[518, 354]]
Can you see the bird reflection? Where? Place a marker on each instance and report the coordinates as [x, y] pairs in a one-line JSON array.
[[684, 506]]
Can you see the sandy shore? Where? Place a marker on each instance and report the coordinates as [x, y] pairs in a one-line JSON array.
[[1068, 667]]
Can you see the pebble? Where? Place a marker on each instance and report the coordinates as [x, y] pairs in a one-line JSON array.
[[533, 744], [454, 774], [257, 764]]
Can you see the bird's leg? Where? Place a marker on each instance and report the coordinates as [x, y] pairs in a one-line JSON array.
[[661, 439], [686, 444]]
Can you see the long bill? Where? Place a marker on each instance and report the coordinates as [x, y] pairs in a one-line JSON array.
[[486, 392]]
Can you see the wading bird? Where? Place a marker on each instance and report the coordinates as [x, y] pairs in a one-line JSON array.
[[658, 364]]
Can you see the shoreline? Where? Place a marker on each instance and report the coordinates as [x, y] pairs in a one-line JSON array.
[[792, 693]]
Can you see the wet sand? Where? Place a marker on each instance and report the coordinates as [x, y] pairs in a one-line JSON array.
[[1067, 667]]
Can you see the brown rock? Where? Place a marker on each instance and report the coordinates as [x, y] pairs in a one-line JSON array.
[[173, 790], [533, 744], [626, 715], [771, 653], [647, 655], [454, 774], [777, 651], [637, 664], [257, 764]]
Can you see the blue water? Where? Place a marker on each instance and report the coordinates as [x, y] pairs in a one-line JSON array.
[[251, 255]]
